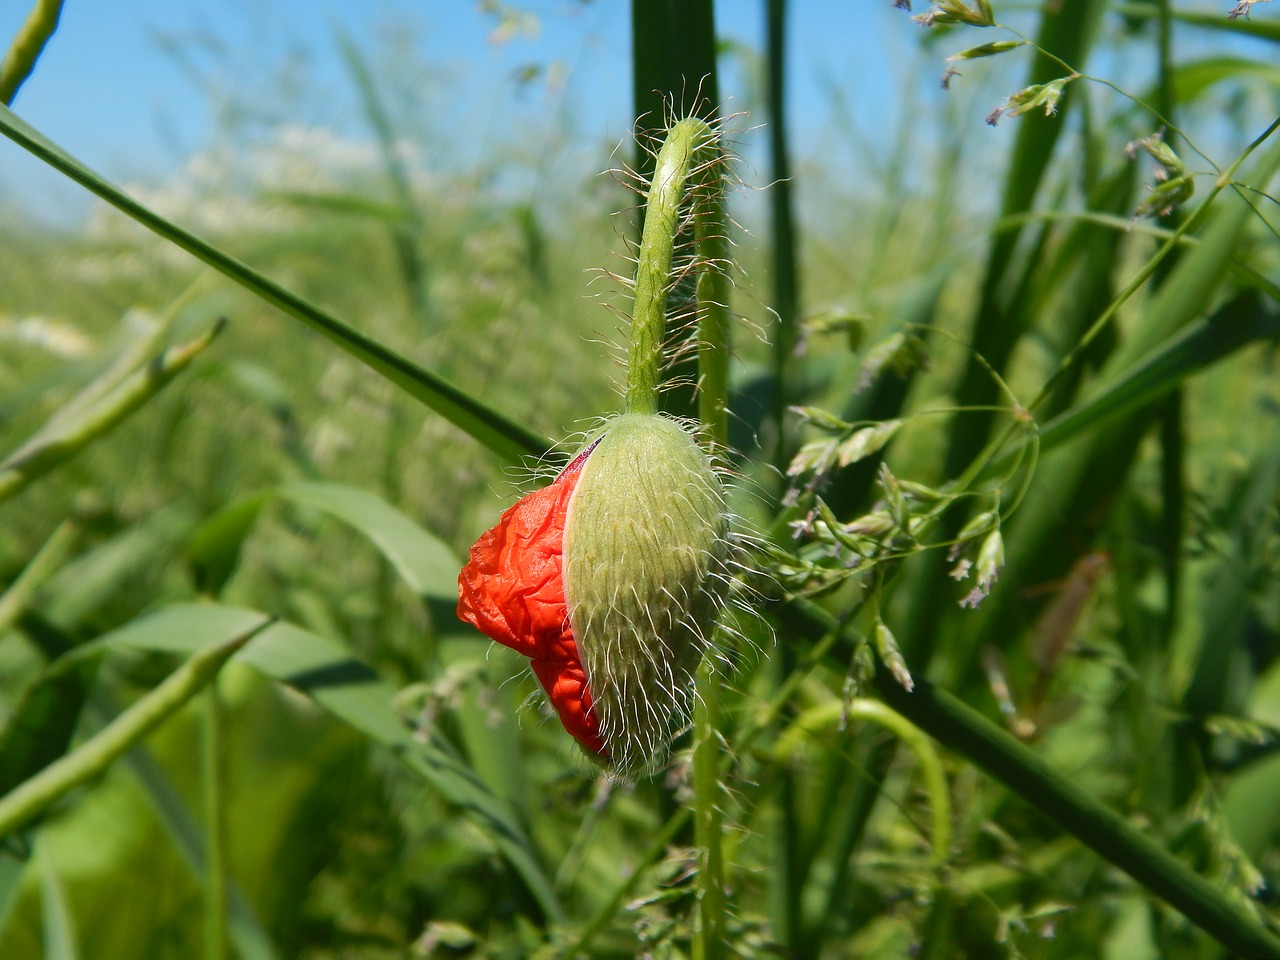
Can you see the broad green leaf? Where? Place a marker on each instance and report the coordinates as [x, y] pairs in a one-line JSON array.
[[508, 439], [349, 690], [425, 563]]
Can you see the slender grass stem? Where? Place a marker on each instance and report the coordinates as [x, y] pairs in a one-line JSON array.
[[505, 437]]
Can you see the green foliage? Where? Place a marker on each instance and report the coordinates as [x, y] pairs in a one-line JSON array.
[[1070, 412]]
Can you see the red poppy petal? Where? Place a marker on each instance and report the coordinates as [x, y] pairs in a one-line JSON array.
[[513, 590], [566, 685]]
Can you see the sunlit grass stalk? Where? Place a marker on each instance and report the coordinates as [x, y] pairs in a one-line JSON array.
[[503, 436], [34, 795], [27, 47]]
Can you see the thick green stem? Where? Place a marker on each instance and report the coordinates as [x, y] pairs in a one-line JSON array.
[[690, 162], [95, 755], [686, 146]]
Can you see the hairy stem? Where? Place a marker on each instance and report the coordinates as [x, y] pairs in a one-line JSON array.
[[687, 145]]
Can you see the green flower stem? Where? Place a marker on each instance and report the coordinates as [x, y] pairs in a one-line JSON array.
[[95, 755], [690, 156], [687, 144], [1111, 836], [27, 46], [508, 439]]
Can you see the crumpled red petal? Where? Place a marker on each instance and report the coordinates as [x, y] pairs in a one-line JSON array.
[[513, 590]]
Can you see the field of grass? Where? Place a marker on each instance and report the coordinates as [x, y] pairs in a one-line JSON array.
[[1001, 673]]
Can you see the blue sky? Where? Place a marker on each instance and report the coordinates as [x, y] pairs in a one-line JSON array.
[[133, 87]]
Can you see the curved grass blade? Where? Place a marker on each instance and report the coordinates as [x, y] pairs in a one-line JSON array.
[[347, 688], [503, 436], [1239, 323], [425, 563]]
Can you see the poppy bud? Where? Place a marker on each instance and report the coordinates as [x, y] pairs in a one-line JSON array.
[[610, 580]]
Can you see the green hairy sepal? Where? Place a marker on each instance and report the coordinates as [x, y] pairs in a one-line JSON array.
[[645, 548]]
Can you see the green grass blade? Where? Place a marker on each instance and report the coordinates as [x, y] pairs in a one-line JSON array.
[[1112, 836], [27, 47], [424, 562], [1243, 321], [1263, 27], [352, 692], [503, 436], [59, 928]]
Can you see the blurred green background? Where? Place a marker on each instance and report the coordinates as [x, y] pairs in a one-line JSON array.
[[448, 199]]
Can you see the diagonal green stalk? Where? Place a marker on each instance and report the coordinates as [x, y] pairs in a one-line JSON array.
[[95, 755], [503, 436], [961, 729]]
